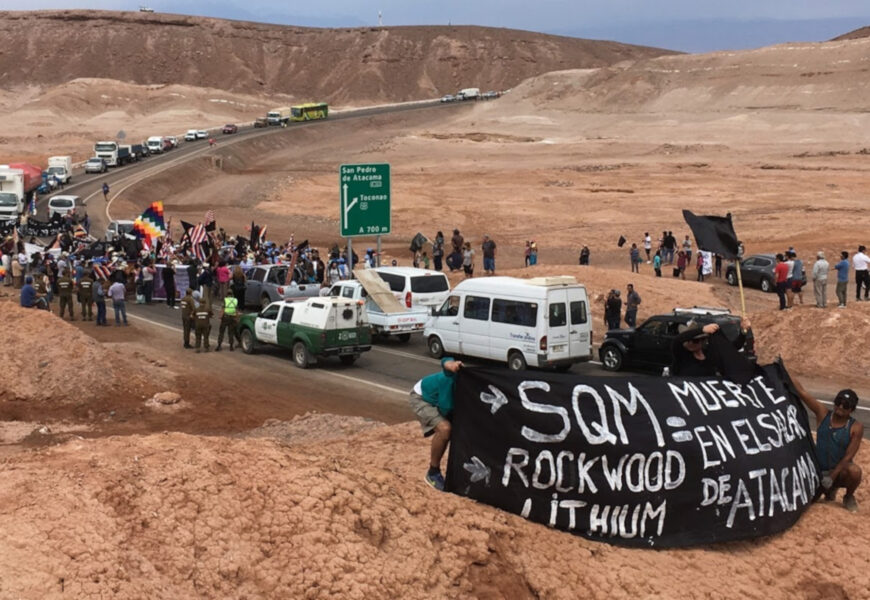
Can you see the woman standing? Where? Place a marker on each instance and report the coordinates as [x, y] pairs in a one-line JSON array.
[[237, 285], [438, 250], [533, 253], [468, 260]]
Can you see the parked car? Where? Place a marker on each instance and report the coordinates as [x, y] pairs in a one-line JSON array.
[[96, 165], [394, 321], [448, 98], [648, 346], [314, 328], [756, 271], [416, 287], [190, 136], [201, 134], [269, 283], [118, 229], [230, 128], [173, 140], [489, 95], [261, 122], [61, 205]]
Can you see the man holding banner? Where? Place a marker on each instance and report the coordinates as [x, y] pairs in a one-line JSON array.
[[432, 401]]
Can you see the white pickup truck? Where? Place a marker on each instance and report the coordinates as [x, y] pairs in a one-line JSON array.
[[386, 315]]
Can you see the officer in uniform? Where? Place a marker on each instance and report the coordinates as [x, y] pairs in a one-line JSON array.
[[86, 296], [202, 323], [65, 286], [187, 309], [229, 322]]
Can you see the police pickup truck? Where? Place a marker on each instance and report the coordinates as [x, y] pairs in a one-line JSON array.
[[311, 329], [392, 320]]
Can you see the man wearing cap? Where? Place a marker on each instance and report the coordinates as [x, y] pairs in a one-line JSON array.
[[65, 286], [29, 295], [187, 307], [488, 248], [202, 321], [229, 322], [706, 352], [86, 296], [838, 438]]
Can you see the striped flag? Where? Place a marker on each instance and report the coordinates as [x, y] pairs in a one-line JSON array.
[[263, 234], [209, 223], [197, 237], [102, 272], [150, 224]]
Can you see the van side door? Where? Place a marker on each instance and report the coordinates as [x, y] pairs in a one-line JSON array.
[[474, 327], [285, 329], [266, 324], [557, 325], [446, 323], [580, 332]]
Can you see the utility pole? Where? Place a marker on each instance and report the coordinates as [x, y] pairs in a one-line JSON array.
[[380, 20]]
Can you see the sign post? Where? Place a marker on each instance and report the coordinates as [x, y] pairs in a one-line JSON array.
[[364, 203]]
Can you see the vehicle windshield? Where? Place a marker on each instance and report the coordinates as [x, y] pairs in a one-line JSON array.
[[273, 114], [427, 284], [61, 203], [95, 161], [56, 169], [8, 199], [280, 275], [296, 112], [125, 228], [107, 147]]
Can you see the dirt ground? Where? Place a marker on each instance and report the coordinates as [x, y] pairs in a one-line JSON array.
[[778, 137]]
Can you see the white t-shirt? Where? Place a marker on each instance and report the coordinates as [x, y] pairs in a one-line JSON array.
[[861, 261], [647, 243]]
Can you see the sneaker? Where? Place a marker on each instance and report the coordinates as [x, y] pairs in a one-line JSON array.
[[435, 480], [850, 503]]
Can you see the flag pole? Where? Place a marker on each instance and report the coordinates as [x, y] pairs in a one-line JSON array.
[[740, 287]]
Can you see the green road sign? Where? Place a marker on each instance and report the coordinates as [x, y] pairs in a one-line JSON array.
[[365, 199]]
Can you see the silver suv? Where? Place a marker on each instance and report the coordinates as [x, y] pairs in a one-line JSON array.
[[269, 283]]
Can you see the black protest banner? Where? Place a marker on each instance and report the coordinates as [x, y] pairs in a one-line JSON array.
[[713, 234], [34, 228], [650, 462]]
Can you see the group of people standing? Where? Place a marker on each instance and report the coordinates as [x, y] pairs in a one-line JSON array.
[[790, 275], [461, 255]]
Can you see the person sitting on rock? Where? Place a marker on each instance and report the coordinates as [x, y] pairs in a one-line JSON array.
[[838, 438]]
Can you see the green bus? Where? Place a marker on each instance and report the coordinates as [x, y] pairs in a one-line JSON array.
[[309, 111]]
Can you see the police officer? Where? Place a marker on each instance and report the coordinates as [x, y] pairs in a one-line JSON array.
[[86, 296], [229, 322], [65, 286], [187, 308], [202, 322]]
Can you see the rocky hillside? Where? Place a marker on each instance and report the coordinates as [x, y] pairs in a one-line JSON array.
[[338, 65], [854, 35]]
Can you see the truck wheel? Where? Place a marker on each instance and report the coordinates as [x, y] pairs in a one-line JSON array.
[[766, 285], [516, 361], [611, 358], [731, 278], [264, 302], [404, 337], [348, 359], [436, 349], [301, 357], [247, 341]]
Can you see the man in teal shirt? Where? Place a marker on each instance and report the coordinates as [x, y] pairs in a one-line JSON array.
[[432, 402]]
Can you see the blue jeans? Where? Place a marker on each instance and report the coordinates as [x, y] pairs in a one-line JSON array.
[[120, 310], [101, 312], [631, 318], [489, 264]]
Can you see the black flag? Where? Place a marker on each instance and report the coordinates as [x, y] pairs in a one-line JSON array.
[[418, 242], [255, 236], [621, 241], [713, 234]]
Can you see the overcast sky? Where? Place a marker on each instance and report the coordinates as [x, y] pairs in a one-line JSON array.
[[689, 25]]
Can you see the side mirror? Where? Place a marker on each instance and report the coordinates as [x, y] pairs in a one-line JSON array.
[[434, 311]]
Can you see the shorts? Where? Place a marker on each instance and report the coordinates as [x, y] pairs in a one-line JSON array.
[[489, 263], [796, 285], [426, 413], [469, 269]]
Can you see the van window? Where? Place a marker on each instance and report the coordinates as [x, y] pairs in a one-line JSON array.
[[450, 308], [578, 312], [271, 312], [287, 314], [428, 284], [514, 313], [476, 307], [558, 318], [347, 292], [396, 282], [259, 274]]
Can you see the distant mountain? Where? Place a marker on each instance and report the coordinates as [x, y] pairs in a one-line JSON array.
[[346, 65], [854, 35]]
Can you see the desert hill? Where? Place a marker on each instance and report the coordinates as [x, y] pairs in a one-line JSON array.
[[341, 66], [861, 32], [827, 76]]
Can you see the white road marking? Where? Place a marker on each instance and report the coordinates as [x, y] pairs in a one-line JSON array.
[[404, 354]]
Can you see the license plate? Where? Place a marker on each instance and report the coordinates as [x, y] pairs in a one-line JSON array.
[[346, 350], [559, 348]]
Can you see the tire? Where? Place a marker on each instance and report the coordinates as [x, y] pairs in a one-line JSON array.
[[731, 277], [766, 285], [264, 301], [247, 341], [611, 358], [301, 356], [404, 337], [348, 359], [516, 361], [436, 348]]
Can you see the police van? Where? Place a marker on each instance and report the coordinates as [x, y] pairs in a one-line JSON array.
[[540, 322]]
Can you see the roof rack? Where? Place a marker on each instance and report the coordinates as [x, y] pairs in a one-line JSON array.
[[703, 310]]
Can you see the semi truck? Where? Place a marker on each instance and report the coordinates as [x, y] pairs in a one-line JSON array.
[[279, 116], [114, 154], [61, 168], [468, 94], [18, 182]]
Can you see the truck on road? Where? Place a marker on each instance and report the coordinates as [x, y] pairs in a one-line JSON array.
[[279, 116], [310, 329], [468, 94], [386, 315], [155, 144], [114, 154], [18, 182], [61, 168]]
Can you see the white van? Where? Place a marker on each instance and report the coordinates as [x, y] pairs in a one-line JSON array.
[[415, 287], [155, 144], [540, 322], [61, 205]]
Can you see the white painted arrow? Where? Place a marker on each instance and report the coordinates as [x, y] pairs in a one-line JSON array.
[[496, 399], [346, 206], [477, 469]]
